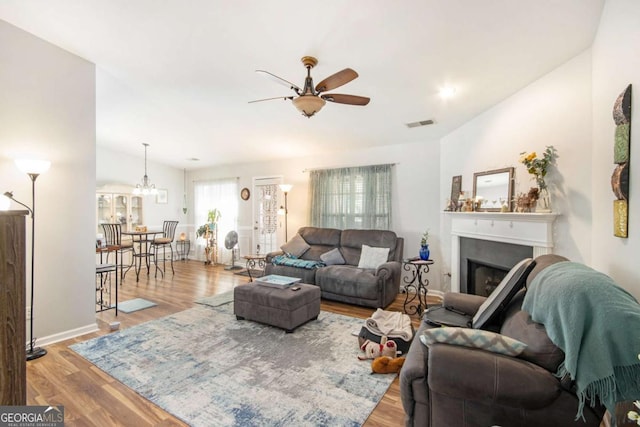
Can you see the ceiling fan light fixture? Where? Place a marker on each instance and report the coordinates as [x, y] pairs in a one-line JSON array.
[[308, 105]]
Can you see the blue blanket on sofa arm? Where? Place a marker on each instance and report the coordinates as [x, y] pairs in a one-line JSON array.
[[597, 325], [291, 261]]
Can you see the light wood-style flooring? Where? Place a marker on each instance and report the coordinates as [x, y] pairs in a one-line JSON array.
[[93, 398]]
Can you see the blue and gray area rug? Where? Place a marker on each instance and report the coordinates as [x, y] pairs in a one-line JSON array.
[[209, 369]]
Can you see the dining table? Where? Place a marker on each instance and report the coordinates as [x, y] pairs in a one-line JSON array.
[[143, 239]]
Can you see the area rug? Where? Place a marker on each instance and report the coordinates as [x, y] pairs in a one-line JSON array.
[[207, 368], [135, 304]]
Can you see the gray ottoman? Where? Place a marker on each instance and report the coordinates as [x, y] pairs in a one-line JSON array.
[[284, 308]]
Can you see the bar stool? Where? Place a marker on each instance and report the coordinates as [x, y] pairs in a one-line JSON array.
[[113, 236], [168, 233]]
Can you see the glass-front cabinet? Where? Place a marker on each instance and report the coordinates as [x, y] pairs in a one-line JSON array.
[[125, 209]]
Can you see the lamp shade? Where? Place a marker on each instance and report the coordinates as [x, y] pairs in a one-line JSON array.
[[33, 166], [5, 203], [286, 187], [308, 105]]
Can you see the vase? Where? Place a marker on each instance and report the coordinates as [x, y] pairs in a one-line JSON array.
[[544, 201], [424, 252]]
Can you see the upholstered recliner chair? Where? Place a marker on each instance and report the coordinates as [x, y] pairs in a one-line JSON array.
[[445, 385]]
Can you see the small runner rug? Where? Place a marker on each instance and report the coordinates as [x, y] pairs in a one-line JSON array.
[[134, 305], [209, 369]]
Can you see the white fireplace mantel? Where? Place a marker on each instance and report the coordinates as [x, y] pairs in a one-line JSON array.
[[527, 229]]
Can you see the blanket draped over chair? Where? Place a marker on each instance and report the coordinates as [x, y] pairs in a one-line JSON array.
[[597, 325]]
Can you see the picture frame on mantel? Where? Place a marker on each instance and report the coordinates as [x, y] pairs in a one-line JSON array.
[[456, 188], [162, 197]]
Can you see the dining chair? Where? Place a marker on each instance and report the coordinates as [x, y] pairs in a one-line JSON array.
[[164, 242], [113, 236]]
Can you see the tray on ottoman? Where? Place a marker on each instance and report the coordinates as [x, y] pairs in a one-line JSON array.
[[283, 308]]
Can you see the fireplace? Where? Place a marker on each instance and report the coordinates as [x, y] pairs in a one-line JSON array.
[[483, 278], [483, 262], [496, 240]]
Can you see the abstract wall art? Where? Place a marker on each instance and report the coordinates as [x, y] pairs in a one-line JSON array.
[[621, 154]]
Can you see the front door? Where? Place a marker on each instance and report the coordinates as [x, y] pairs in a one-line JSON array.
[[265, 214]]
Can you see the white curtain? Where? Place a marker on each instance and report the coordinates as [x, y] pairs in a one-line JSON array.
[[220, 194]]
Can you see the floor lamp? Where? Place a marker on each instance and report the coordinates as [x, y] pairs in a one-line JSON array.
[[285, 189], [33, 168]]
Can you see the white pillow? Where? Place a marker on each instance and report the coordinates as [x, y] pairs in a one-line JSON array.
[[371, 257]]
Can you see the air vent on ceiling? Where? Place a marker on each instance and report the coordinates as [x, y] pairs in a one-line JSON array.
[[420, 123]]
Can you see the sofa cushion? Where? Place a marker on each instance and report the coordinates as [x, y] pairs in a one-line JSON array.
[[351, 242], [333, 257], [321, 240], [372, 257], [349, 281], [473, 338], [540, 349], [295, 247]]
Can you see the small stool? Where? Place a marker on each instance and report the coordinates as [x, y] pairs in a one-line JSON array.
[[283, 308]]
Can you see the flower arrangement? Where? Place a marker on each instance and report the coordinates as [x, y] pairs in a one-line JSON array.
[[539, 167], [425, 237]]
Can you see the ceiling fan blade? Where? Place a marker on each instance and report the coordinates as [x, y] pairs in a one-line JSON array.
[[270, 99], [346, 99], [280, 80], [336, 80]]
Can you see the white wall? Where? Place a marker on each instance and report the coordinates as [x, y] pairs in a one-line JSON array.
[[554, 110], [616, 63], [416, 197], [47, 109], [120, 169]]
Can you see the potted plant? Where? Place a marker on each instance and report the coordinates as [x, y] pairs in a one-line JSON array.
[[424, 246], [213, 216]]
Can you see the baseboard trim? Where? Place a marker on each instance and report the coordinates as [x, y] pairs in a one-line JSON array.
[[435, 292], [72, 333]]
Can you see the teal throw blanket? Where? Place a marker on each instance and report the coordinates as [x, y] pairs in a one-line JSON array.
[[291, 261], [597, 325]]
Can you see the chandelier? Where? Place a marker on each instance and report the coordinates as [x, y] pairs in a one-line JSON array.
[[146, 187]]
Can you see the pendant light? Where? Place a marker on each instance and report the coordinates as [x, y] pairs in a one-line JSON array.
[[146, 187]]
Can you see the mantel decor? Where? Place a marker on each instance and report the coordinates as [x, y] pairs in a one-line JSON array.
[[538, 167]]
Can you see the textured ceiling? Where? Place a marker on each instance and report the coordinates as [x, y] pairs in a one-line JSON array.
[[179, 74]]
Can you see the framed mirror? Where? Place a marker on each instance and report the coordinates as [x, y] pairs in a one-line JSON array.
[[494, 188]]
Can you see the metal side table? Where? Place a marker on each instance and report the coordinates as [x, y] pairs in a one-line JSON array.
[[416, 285]]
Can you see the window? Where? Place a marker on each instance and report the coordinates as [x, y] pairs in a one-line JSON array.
[[357, 197], [222, 195]]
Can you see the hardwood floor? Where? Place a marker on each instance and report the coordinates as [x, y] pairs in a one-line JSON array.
[[93, 398]]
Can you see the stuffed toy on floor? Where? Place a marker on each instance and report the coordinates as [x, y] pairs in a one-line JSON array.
[[373, 349], [387, 365]]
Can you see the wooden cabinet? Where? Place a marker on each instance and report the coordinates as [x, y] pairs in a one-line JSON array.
[[118, 207], [13, 362]]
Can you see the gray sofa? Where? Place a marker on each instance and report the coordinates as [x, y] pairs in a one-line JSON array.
[[347, 283], [452, 386]]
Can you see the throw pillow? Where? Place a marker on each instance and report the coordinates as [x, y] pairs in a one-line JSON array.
[[333, 257], [502, 295], [371, 257], [474, 338], [295, 247]]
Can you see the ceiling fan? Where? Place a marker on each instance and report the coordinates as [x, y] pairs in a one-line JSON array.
[[310, 100]]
